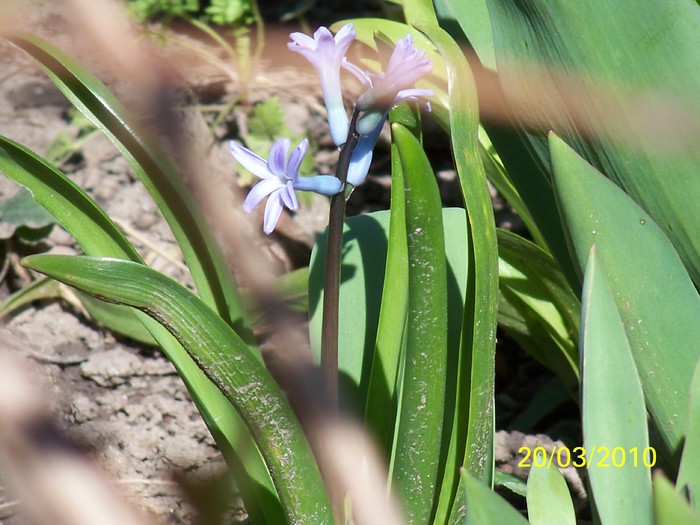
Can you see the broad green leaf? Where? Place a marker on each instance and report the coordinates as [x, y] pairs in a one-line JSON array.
[[159, 175], [548, 498], [21, 212], [614, 416], [593, 72], [361, 277], [537, 307], [656, 299], [482, 506], [223, 356], [688, 480], [365, 248], [416, 462], [97, 235], [671, 508], [471, 17], [473, 426]]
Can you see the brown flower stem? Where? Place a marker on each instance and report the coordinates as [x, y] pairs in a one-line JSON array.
[[331, 288]]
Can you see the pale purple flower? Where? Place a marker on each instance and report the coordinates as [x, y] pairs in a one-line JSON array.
[[280, 179], [392, 85], [326, 54]]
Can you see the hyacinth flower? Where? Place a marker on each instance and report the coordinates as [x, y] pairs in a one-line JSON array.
[[387, 88], [280, 179], [384, 90], [326, 53]]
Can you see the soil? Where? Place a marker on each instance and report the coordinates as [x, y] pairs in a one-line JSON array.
[[122, 398]]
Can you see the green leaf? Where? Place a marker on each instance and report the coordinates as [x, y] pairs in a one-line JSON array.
[[223, 356], [420, 422], [21, 212], [97, 235], [158, 174], [116, 318], [361, 277], [65, 201], [510, 482], [482, 506], [40, 289], [537, 307], [548, 498], [688, 480], [655, 297], [614, 416], [474, 415], [472, 17], [597, 68], [670, 508], [387, 358]]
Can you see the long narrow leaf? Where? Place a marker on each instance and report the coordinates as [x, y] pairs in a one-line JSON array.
[[158, 174], [475, 410], [226, 360], [418, 445], [97, 235], [392, 315], [615, 437]]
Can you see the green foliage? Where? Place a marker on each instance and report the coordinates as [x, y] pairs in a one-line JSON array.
[[221, 12], [22, 218], [227, 12], [65, 145], [604, 295]]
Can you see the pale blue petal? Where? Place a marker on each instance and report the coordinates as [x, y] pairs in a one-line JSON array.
[[259, 192], [338, 121], [250, 161], [278, 157], [273, 210], [362, 156], [296, 158], [323, 184], [369, 122]]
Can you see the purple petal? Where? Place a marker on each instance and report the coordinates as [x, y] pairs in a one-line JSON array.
[[296, 158], [289, 198], [278, 157], [360, 74], [273, 210], [413, 94], [259, 192], [250, 161]]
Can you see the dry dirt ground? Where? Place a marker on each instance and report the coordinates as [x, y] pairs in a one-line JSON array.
[[124, 399]]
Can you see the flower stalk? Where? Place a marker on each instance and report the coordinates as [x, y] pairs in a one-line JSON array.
[[331, 288]]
